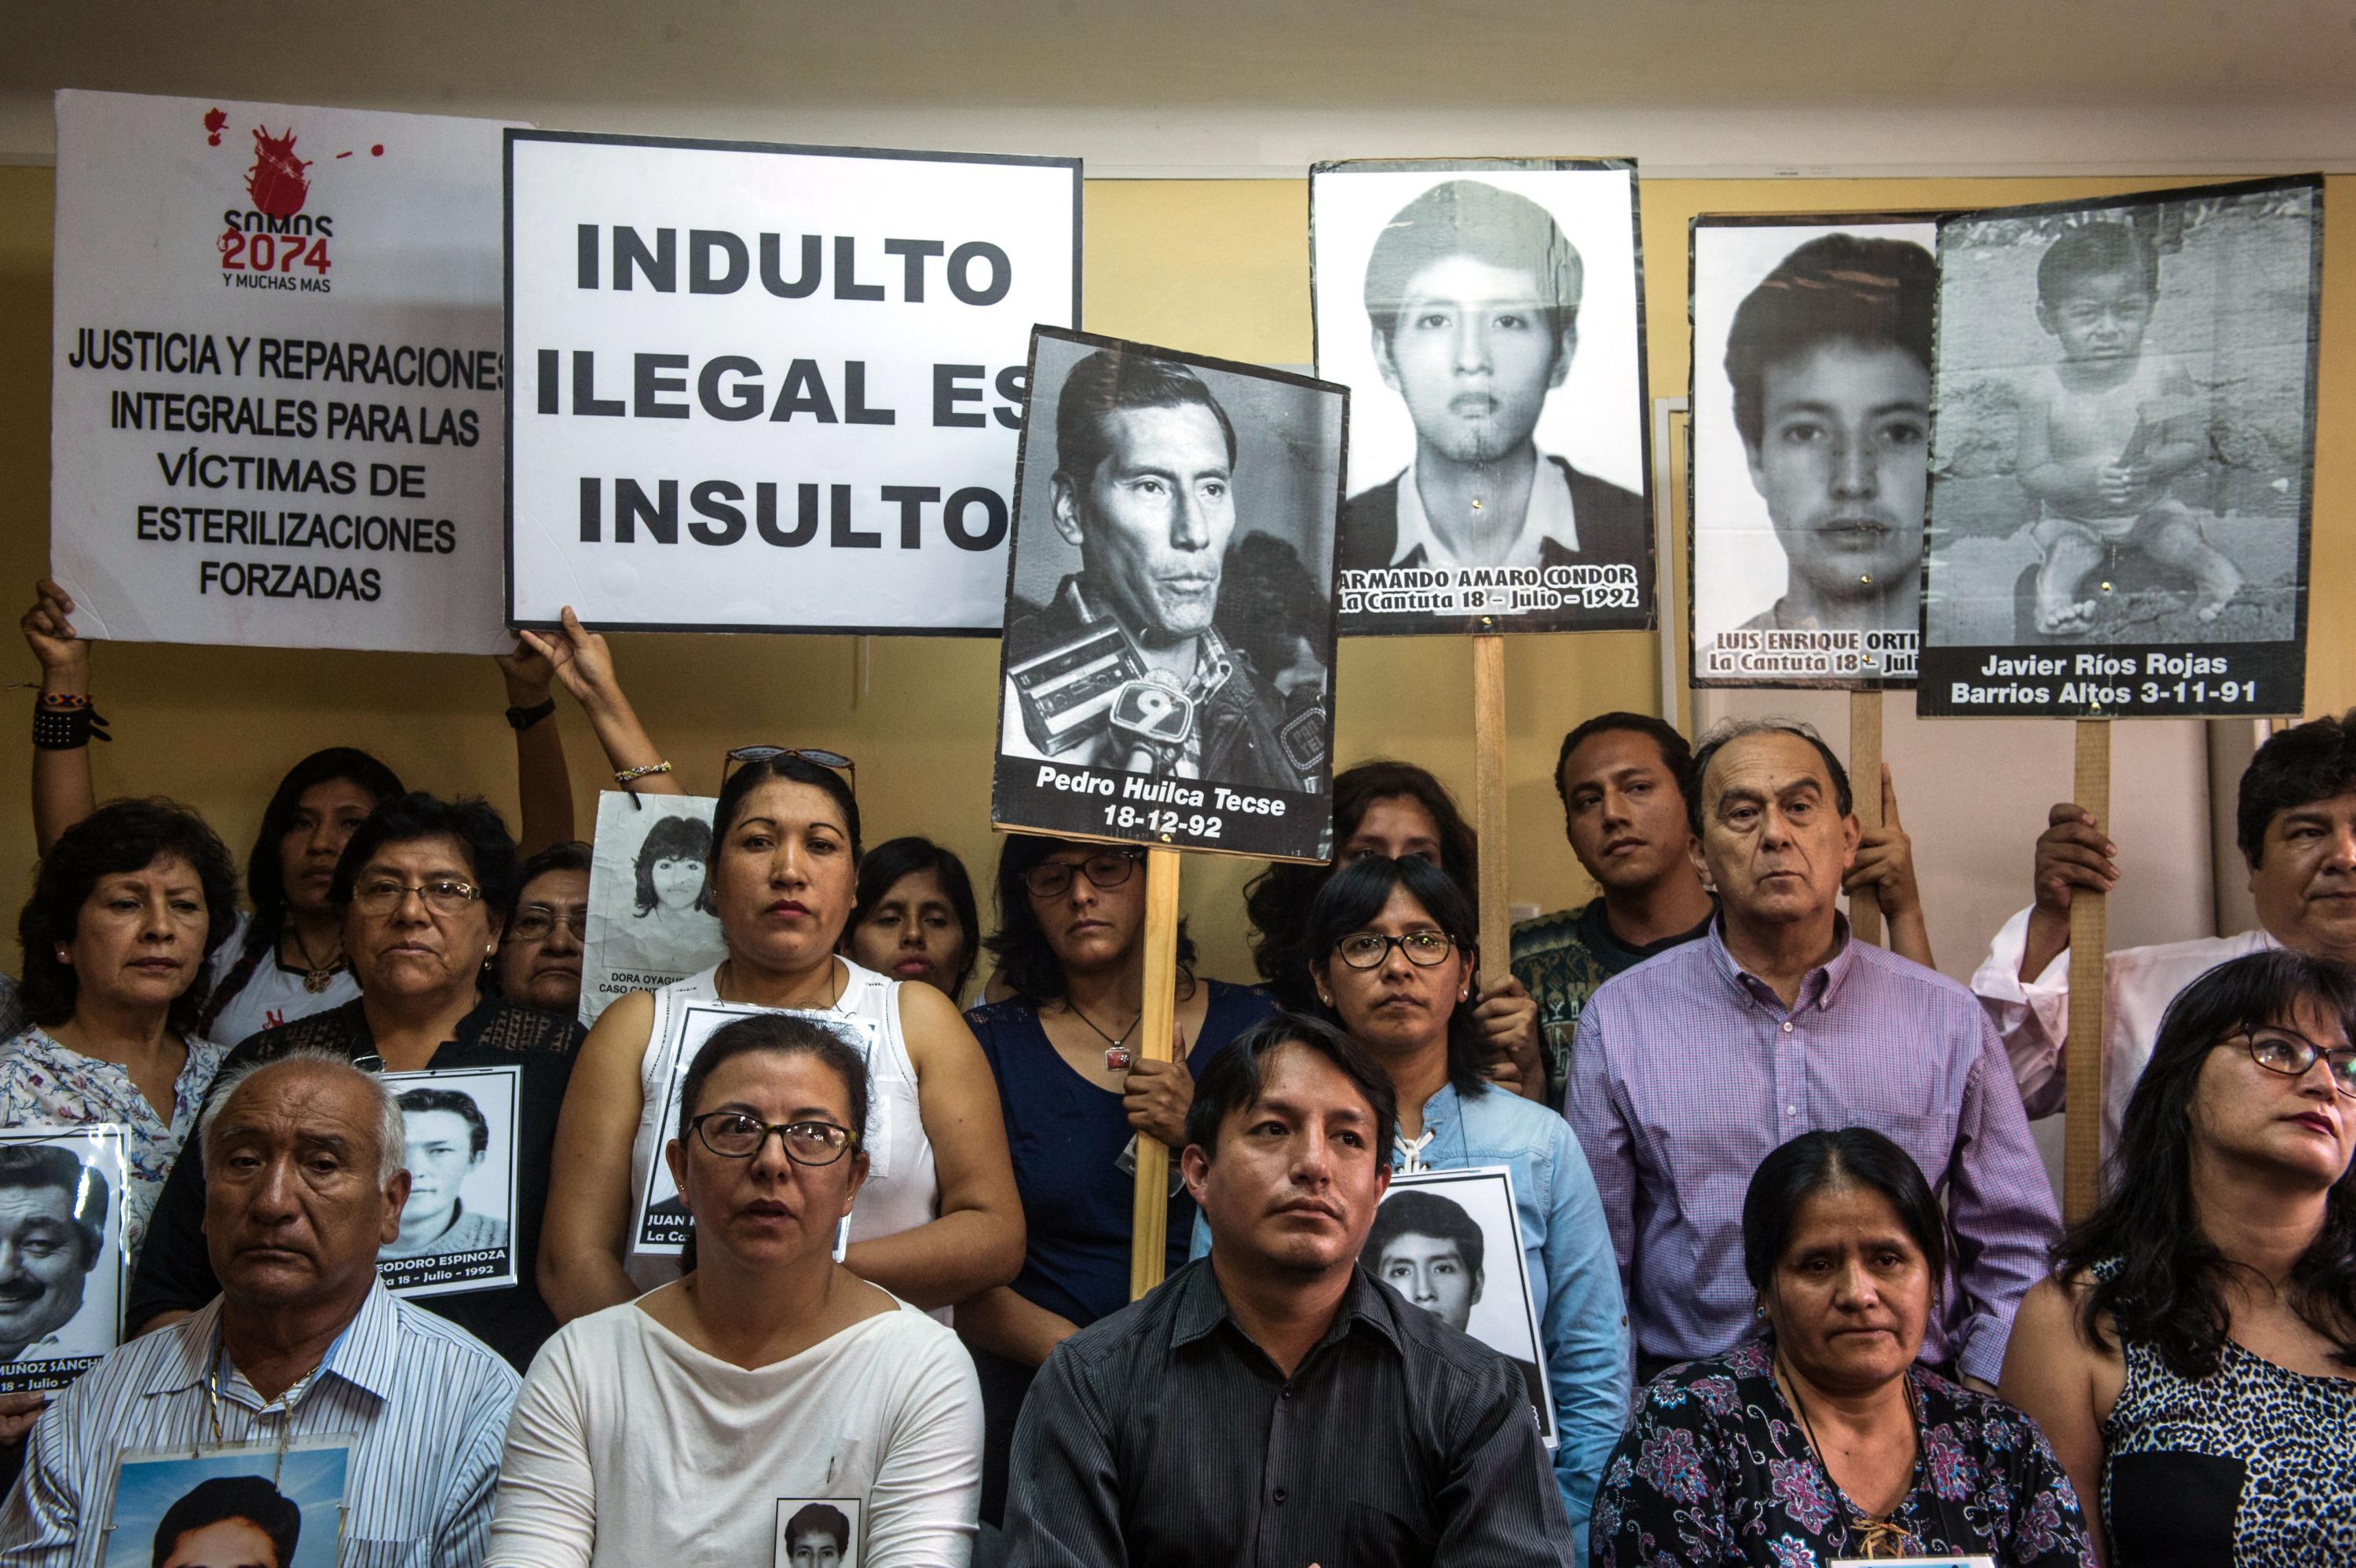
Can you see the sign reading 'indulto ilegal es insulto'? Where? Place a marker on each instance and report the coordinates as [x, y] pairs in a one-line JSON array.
[[772, 388]]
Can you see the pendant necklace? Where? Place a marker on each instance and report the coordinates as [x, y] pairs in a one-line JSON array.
[[1116, 1052], [316, 976]]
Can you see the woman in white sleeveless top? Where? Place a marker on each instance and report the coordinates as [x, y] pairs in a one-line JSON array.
[[767, 1394], [938, 1221]]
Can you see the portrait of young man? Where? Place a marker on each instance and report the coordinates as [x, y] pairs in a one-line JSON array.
[[1811, 449], [1473, 315]]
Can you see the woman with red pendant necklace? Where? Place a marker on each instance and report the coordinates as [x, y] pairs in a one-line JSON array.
[[1076, 1093]]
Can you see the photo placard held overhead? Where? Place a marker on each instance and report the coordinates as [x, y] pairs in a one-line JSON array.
[[1810, 447], [276, 386], [772, 388], [2122, 455], [1167, 672], [1488, 315], [651, 919]]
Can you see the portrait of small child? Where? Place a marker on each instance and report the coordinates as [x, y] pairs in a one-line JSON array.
[[2107, 427]]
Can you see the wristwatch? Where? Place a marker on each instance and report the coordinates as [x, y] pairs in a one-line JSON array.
[[525, 717]]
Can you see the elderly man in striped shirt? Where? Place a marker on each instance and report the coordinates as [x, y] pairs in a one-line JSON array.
[[301, 1344], [1689, 1069]]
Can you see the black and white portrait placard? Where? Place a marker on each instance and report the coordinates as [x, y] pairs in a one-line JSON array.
[[1489, 318], [456, 1228], [758, 388], [230, 1505], [818, 1533], [662, 1219], [2122, 455], [650, 920], [1811, 445], [1450, 1241], [63, 1260], [1167, 668]]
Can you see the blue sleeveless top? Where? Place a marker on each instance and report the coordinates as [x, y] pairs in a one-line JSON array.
[[1065, 1135]]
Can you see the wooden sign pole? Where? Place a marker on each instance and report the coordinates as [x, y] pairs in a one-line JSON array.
[[1489, 801], [1864, 789], [1150, 1219], [2082, 1144]]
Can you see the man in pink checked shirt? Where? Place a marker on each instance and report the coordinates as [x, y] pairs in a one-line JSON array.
[[1690, 1068]]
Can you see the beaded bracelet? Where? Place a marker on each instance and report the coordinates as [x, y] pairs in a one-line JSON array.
[[627, 776]]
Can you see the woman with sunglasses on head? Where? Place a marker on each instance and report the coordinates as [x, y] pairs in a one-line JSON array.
[[425, 888], [941, 1222], [1077, 1092], [915, 918], [1393, 950], [2192, 1361], [665, 1430]]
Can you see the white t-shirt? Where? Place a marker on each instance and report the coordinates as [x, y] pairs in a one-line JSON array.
[[631, 1448], [273, 995], [903, 1190]]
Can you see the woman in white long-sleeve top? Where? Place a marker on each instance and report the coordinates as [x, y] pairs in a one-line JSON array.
[[696, 1423]]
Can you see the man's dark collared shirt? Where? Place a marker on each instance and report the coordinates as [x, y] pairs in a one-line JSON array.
[[1162, 1437]]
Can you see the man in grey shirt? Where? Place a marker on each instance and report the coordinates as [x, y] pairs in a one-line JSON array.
[[1272, 1404]]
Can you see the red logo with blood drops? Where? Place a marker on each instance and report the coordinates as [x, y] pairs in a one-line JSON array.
[[276, 182]]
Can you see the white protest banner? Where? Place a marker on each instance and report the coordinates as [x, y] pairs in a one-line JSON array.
[[772, 388], [275, 387]]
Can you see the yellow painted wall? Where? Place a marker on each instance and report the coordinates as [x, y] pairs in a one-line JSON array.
[[1217, 266]]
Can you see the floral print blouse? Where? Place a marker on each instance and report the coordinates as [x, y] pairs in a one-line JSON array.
[[1717, 1470], [44, 1084]]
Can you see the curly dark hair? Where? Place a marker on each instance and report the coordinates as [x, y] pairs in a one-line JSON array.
[[1025, 961], [2151, 1270], [405, 818], [896, 858], [119, 836], [2297, 767], [1277, 901], [1355, 894]]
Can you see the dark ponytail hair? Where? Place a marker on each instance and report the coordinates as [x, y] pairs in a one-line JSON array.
[[1820, 1161]]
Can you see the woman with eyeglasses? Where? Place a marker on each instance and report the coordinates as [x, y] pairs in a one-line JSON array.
[[425, 888], [939, 1221], [1076, 1093], [538, 961], [1394, 809], [665, 1430], [2192, 1360], [1393, 952]]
